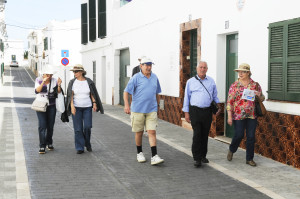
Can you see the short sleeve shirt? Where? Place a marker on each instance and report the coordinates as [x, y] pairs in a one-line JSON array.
[[143, 91], [81, 96], [241, 108]]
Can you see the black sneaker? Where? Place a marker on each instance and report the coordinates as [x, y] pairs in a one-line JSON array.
[[42, 151], [50, 147], [197, 163], [89, 149], [80, 152], [204, 160]]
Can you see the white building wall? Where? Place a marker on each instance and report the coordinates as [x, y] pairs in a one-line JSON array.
[[62, 35], [151, 28]]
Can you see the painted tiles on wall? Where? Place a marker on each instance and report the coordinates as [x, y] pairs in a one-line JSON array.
[[278, 137]]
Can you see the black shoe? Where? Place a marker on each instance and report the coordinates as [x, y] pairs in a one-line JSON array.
[[204, 160], [80, 152], [229, 155], [50, 147], [42, 151], [89, 149], [197, 163]]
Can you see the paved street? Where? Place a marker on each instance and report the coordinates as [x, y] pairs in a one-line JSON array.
[[111, 170]]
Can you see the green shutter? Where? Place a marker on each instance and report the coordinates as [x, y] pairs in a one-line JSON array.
[[46, 43], [101, 19], [276, 80], [293, 61], [284, 60]]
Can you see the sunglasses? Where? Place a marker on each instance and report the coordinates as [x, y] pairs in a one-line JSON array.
[[76, 71]]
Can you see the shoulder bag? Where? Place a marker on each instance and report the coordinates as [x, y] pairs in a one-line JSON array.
[[260, 109], [213, 105], [40, 104]]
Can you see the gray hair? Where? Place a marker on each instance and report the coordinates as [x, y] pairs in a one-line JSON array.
[[201, 61]]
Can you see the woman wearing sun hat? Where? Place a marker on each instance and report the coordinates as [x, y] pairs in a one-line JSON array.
[[44, 88], [241, 111], [82, 98]]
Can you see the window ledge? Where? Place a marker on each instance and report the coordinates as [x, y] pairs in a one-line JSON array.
[[283, 107]]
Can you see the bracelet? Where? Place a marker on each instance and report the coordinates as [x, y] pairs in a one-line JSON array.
[[94, 103]]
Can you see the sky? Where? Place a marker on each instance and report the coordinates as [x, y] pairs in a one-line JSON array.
[[35, 14]]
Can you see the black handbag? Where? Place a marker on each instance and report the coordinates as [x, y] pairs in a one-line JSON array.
[[213, 105], [64, 116], [260, 109]]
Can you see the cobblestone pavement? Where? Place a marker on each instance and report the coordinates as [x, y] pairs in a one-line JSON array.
[[111, 170]]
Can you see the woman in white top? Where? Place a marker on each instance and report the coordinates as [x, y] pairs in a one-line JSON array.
[[82, 98], [44, 88]]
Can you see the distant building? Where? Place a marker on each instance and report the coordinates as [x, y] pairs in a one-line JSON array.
[[14, 50], [35, 44], [45, 46], [58, 36], [3, 36]]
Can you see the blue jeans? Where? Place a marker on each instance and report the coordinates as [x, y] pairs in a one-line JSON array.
[[239, 127], [82, 122], [46, 125]]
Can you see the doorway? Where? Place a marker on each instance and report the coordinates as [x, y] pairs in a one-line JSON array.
[[231, 75], [124, 72], [103, 79]]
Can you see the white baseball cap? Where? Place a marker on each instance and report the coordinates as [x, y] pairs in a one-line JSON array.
[[48, 69], [146, 60]]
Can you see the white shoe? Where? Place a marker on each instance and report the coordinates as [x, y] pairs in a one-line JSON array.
[[156, 160], [140, 157]]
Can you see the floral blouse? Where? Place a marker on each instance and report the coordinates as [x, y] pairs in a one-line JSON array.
[[241, 108]]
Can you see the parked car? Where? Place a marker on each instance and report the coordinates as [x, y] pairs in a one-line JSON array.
[[14, 64]]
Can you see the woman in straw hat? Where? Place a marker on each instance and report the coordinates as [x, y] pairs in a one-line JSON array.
[[241, 111], [44, 88], [82, 98]]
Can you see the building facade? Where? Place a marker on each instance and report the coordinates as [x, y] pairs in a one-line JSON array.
[[35, 47], [178, 34], [14, 50], [3, 37], [47, 46]]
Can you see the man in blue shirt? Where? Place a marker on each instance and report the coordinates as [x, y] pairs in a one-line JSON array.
[[144, 88], [196, 107]]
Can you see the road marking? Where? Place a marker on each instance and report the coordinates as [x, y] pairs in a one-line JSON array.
[[28, 74], [22, 185], [213, 165]]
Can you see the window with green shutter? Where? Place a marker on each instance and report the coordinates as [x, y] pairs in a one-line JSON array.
[[84, 24], [92, 20], [101, 19], [46, 43], [284, 60]]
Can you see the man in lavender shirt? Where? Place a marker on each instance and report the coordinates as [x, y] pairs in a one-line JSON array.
[[196, 106]]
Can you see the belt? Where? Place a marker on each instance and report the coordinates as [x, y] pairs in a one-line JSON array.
[[203, 109]]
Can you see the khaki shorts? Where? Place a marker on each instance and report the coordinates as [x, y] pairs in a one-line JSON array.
[[141, 120]]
